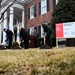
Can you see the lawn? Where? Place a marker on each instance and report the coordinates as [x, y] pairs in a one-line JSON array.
[[56, 61]]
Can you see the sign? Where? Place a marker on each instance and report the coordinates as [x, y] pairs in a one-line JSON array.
[[65, 30], [59, 30]]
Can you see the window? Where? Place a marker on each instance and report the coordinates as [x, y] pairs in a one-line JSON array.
[[32, 31], [42, 32], [32, 12], [44, 6]]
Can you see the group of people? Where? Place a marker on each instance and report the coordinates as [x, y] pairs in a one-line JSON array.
[[24, 37]]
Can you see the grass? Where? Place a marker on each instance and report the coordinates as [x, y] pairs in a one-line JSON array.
[[56, 61]]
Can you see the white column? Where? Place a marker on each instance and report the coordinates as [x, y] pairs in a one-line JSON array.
[[5, 26], [0, 32], [23, 19], [18, 34], [11, 19]]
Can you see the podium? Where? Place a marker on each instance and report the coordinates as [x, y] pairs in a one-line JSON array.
[[32, 41]]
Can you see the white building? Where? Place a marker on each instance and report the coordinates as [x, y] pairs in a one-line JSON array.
[[13, 17]]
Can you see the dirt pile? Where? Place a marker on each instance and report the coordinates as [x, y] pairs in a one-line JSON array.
[[45, 46], [16, 45], [2, 47]]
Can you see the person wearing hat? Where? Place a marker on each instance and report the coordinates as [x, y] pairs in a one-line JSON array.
[[48, 37]]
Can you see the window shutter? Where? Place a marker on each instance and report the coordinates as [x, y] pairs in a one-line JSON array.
[[29, 31], [39, 8], [54, 3], [34, 10], [48, 5], [28, 13], [39, 31]]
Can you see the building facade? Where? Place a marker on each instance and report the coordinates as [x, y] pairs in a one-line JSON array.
[[12, 18], [37, 13], [30, 15]]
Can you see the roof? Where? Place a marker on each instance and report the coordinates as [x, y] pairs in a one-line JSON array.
[[6, 2]]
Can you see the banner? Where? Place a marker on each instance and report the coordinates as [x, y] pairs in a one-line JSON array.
[[65, 30]]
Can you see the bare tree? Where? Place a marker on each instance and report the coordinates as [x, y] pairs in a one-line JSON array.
[[5, 4]]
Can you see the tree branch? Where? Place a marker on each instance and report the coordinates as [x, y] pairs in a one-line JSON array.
[[6, 9]]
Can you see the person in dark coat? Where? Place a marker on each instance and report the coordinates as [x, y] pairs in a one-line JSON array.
[[24, 36], [9, 35], [37, 38], [48, 37]]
